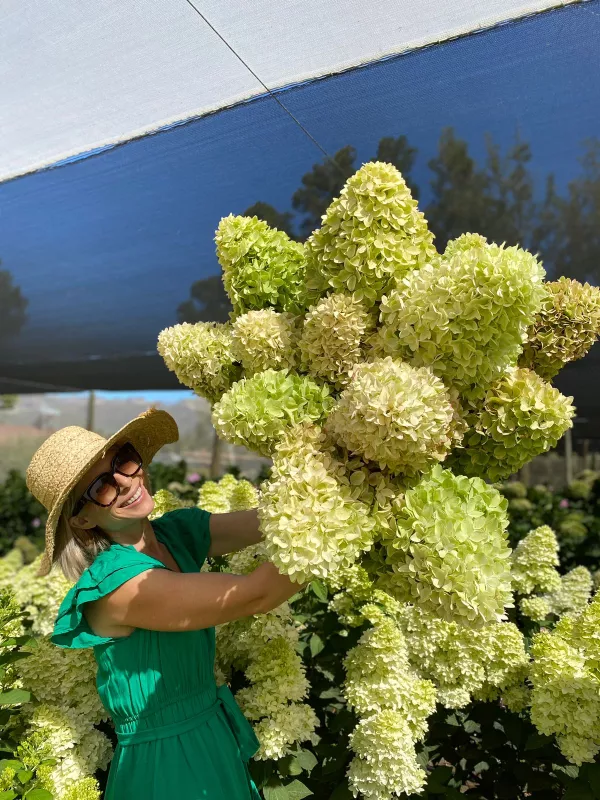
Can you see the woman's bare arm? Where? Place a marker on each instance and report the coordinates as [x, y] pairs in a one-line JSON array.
[[161, 600], [233, 531]]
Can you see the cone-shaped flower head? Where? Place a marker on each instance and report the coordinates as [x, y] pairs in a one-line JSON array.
[[534, 562], [372, 234], [334, 330], [201, 356], [262, 267], [265, 339], [564, 329], [521, 417], [466, 316], [394, 414], [450, 553], [312, 526], [256, 411], [466, 241], [165, 501]]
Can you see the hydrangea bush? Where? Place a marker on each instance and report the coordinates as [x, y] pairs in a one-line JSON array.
[[415, 379]]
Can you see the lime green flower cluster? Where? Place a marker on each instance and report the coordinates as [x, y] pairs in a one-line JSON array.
[[371, 235], [392, 700], [465, 316], [311, 524], [534, 562], [521, 417], [332, 337], [565, 700], [227, 494], [165, 501], [450, 552], [265, 339], [396, 415], [461, 661], [201, 356], [262, 267], [564, 329], [257, 411], [570, 596]]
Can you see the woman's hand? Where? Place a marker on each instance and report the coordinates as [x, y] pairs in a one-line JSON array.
[[233, 531]]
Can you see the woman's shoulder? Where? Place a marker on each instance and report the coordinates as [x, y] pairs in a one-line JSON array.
[[188, 525]]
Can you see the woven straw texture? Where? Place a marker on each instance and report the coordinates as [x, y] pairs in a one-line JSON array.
[[64, 458]]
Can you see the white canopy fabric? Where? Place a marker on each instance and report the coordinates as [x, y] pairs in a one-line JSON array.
[[77, 75]]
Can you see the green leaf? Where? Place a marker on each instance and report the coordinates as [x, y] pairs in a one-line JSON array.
[[591, 772], [13, 763], [316, 644], [536, 741], [319, 589], [38, 794], [307, 760], [579, 790], [297, 790], [49, 762], [438, 779], [9, 795], [341, 792], [25, 775], [15, 655], [14, 696], [278, 791]]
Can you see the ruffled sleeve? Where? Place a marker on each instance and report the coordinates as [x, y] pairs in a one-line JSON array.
[[189, 525], [111, 569]]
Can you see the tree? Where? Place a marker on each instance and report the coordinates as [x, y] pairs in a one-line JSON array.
[[8, 401], [12, 306], [208, 302], [270, 215]]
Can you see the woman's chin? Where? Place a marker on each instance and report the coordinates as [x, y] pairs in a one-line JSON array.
[[140, 509]]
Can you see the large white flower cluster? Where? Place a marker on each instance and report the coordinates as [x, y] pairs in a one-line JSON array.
[[389, 382], [534, 562], [565, 701], [570, 595]]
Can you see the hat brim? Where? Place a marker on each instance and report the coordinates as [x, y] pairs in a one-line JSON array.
[[147, 433]]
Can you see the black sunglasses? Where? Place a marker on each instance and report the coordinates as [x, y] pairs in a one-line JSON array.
[[104, 490]]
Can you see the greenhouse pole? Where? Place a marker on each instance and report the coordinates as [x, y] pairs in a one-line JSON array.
[[216, 458], [91, 411], [568, 457]]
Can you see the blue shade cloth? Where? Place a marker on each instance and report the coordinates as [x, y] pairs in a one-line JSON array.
[[106, 248]]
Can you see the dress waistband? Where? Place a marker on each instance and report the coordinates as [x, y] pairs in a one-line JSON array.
[[239, 725]]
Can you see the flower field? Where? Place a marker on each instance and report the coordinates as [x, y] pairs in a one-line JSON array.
[[441, 647]]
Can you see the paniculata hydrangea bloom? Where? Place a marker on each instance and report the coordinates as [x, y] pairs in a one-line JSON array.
[[564, 329], [244, 496], [461, 661], [332, 336], [378, 676], [40, 597], [85, 789], [202, 357], [10, 564], [265, 339], [514, 490], [396, 415], [565, 701], [257, 411], [450, 552], [574, 592], [466, 317], [291, 723], [534, 562], [214, 497], [311, 524], [464, 242], [385, 764], [262, 267], [372, 234], [536, 608], [165, 501], [520, 417]]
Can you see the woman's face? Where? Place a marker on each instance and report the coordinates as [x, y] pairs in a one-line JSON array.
[[134, 501]]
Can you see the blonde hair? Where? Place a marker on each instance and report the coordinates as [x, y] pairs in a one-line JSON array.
[[76, 549]]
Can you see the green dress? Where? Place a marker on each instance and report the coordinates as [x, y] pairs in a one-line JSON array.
[[179, 736]]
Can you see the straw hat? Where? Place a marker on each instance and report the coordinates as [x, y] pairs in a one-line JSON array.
[[65, 457]]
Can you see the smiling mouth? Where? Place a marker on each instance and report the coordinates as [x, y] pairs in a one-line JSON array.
[[135, 498]]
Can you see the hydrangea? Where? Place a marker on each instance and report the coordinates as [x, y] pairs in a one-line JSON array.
[[262, 267], [572, 528], [40, 597], [371, 235], [291, 723], [165, 501], [378, 676], [265, 339], [536, 608], [256, 411], [396, 415], [461, 661], [463, 243], [244, 496], [564, 329], [85, 789], [514, 490], [521, 417], [574, 592], [385, 763], [311, 524], [467, 316], [450, 553], [214, 497], [534, 562], [332, 337], [565, 700], [202, 357], [10, 564]]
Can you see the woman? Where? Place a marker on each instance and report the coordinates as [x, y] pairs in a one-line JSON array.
[[142, 603]]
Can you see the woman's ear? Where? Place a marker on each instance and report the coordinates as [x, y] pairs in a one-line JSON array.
[[81, 522]]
